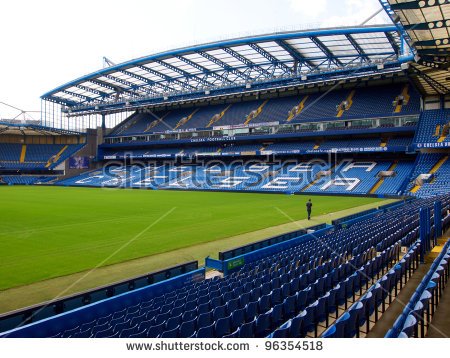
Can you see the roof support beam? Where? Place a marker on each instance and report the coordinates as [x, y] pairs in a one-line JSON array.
[[358, 48], [224, 65], [168, 79], [93, 91], [295, 54], [436, 42], [247, 62], [104, 84], [117, 89], [132, 87], [185, 74], [146, 80], [60, 100], [80, 96], [393, 43], [439, 88], [205, 71], [271, 58], [435, 52], [326, 51], [418, 26]]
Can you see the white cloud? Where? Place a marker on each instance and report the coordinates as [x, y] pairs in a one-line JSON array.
[[309, 9], [355, 12]]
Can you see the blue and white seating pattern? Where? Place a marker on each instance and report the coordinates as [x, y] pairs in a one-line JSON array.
[[350, 177], [287, 177]]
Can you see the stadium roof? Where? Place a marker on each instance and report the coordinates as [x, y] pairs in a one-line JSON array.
[[427, 24], [18, 128], [252, 62]]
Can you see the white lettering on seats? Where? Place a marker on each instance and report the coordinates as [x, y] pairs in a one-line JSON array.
[[350, 183]]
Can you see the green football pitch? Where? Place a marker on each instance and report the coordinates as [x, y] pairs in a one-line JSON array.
[[47, 232]]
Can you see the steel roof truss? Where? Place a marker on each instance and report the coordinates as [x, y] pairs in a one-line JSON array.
[[146, 80], [188, 76], [80, 96], [286, 69], [295, 54], [169, 80], [358, 48], [225, 66], [326, 51], [246, 61], [204, 70], [93, 91]]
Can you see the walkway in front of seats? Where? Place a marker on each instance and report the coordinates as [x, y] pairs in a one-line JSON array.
[[440, 325], [441, 320]]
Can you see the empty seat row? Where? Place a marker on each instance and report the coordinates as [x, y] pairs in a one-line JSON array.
[[418, 313]]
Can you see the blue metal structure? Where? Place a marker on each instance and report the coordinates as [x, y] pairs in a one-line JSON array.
[[243, 64]]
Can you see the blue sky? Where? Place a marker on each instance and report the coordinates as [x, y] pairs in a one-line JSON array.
[[50, 42]]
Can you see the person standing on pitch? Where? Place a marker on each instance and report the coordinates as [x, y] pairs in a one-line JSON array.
[[309, 208]]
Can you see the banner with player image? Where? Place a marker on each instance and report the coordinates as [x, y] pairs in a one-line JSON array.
[[79, 162]]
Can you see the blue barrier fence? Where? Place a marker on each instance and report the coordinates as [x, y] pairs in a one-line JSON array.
[[233, 264], [49, 309], [241, 250], [351, 219], [353, 216], [395, 205]]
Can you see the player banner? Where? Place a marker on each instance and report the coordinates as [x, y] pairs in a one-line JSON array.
[[79, 163]]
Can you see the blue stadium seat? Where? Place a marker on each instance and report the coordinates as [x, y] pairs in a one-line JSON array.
[[289, 306], [105, 333], [247, 330], [189, 315], [188, 328], [173, 322], [237, 318], [263, 324], [410, 326], [277, 317], [206, 332], [155, 330], [174, 333], [223, 326], [283, 331], [126, 333], [251, 310], [352, 325]]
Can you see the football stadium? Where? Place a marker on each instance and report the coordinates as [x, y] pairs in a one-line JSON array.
[[292, 184]]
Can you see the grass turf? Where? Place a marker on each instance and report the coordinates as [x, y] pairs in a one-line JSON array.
[[48, 232]]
